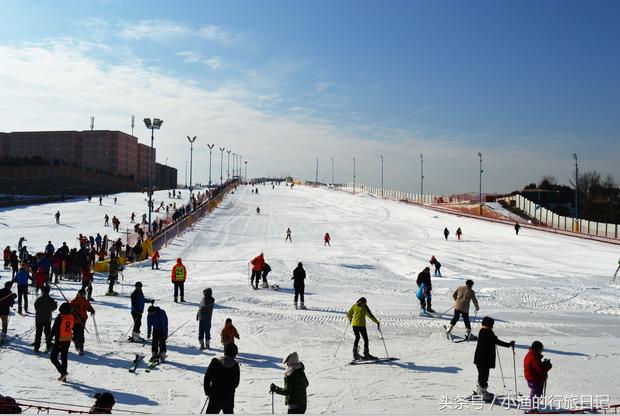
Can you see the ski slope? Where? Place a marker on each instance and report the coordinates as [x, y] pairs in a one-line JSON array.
[[538, 286]]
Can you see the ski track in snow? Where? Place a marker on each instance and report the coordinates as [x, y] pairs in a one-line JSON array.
[[537, 285]]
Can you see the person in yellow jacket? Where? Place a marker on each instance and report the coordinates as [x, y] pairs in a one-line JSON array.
[[357, 317], [178, 276]]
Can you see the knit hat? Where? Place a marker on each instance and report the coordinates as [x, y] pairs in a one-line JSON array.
[[207, 292], [488, 322], [65, 308]]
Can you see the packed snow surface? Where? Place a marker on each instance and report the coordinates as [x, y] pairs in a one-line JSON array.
[[538, 286]]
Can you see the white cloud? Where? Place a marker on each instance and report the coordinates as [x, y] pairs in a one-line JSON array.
[[155, 30], [58, 86], [217, 33], [213, 62]]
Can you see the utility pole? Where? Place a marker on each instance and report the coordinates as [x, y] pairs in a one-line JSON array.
[[353, 175], [316, 178], [239, 162], [381, 175], [133, 123], [210, 146], [576, 189], [422, 178], [191, 166], [246, 171], [228, 165], [92, 123], [222, 165], [480, 189]]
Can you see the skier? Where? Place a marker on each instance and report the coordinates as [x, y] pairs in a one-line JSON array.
[[113, 269], [179, 275], [80, 308], [115, 200], [266, 270], [98, 240], [100, 199], [49, 248], [299, 277], [204, 315], [21, 278], [44, 306], [87, 282], [14, 260], [484, 357], [327, 239], [288, 235], [459, 233], [7, 300], [463, 296], [221, 380], [137, 309], [437, 265], [295, 385], [57, 215], [425, 288], [6, 256], [357, 318], [229, 333], [62, 332], [106, 221], [155, 260], [535, 370], [133, 217], [446, 233], [40, 278], [104, 402], [258, 210], [517, 228], [157, 323], [257, 267]]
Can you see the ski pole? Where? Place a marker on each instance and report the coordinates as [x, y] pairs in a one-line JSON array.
[[501, 370], [514, 366], [179, 327], [475, 316], [96, 331], [272, 406], [204, 406], [443, 313], [341, 339], [67, 300], [387, 355]]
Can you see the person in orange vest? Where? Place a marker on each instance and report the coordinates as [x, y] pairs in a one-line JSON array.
[[62, 332], [179, 274], [80, 308], [155, 260], [257, 268], [229, 332]]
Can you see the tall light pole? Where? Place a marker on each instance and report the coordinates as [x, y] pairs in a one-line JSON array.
[[316, 178], [239, 162], [332, 171], [222, 165], [210, 146], [353, 175], [234, 163], [191, 158], [422, 178], [153, 125], [480, 189], [576, 187], [246, 171], [228, 165], [381, 175]]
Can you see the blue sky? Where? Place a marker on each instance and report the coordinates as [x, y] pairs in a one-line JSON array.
[[527, 83]]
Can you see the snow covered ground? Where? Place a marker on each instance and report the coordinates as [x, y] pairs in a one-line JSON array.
[[538, 286]]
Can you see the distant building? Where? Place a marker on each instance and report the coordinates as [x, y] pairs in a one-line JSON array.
[[56, 158]]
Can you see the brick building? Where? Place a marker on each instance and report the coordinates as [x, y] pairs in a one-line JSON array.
[[102, 151]]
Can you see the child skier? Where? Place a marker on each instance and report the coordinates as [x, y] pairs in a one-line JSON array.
[[229, 333], [155, 260], [463, 296], [62, 332], [425, 288], [204, 315], [535, 370], [357, 318], [484, 357], [157, 324], [266, 270], [295, 385], [459, 233]]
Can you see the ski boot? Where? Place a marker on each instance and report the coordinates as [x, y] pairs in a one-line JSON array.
[[162, 357], [468, 336], [367, 356], [295, 304], [449, 332], [183, 300], [176, 300], [428, 307], [356, 354], [207, 345], [63, 377], [302, 306], [265, 285], [154, 358], [484, 394], [202, 345], [135, 337]]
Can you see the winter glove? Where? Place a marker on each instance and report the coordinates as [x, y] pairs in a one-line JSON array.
[[272, 388], [512, 345], [378, 325]]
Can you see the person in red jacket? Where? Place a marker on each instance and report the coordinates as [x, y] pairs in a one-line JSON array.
[[39, 279], [257, 267], [6, 256], [179, 275], [155, 260], [327, 239], [535, 370]]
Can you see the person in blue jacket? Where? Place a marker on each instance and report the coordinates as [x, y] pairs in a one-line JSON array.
[[157, 323], [137, 309], [46, 263], [21, 278]]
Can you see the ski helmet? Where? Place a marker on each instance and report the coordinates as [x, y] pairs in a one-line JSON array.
[[488, 321], [138, 284]]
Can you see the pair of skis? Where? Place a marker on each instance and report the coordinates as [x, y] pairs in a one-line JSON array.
[[136, 361], [372, 360], [466, 338]]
